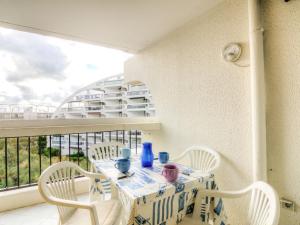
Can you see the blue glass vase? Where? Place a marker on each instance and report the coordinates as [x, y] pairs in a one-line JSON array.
[[147, 155]]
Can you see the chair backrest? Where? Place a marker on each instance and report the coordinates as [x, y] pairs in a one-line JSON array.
[[202, 158], [264, 205], [105, 150], [58, 181]]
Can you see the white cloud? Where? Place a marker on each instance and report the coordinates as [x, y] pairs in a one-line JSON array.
[[40, 69]]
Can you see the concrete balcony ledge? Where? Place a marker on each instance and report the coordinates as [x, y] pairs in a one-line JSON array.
[[17, 128]]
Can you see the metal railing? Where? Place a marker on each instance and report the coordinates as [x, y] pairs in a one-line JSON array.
[[23, 158], [27, 147]]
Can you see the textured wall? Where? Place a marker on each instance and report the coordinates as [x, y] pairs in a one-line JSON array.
[[282, 64], [200, 99]]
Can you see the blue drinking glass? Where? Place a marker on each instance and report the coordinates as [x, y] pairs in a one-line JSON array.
[[147, 155], [163, 157]]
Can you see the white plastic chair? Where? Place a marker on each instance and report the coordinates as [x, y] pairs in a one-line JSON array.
[[105, 150], [264, 208], [57, 186], [201, 158]]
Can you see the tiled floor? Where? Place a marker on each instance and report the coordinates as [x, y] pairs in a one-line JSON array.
[[42, 214]]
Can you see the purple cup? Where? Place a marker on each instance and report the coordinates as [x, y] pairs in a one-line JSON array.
[[170, 172]]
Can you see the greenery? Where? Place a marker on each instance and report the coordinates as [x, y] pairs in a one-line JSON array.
[[37, 145], [75, 155], [54, 152], [42, 142]]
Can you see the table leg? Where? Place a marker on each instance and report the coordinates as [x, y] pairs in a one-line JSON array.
[[211, 211]]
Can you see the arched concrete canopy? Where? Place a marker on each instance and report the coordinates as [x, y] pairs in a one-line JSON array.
[[93, 85]]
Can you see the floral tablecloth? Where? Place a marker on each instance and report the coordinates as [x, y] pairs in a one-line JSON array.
[[149, 199]]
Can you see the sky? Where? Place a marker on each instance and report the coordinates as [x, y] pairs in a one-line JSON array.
[[37, 69]]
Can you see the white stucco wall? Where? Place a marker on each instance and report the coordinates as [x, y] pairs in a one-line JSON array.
[[282, 61], [200, 99]]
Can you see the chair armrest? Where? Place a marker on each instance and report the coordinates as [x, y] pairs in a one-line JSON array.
[[225, 194], [178, 158], [76, 204], [94, 175], [69, 203], [91, 174], [197, 173]]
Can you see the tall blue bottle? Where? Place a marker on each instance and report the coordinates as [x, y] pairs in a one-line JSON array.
[[147, 155]]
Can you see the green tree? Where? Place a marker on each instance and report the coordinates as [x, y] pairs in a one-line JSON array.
[[42, 143]]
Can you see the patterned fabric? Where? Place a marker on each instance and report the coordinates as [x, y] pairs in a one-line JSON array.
[[99, 188], [211, 208], [150, 199]]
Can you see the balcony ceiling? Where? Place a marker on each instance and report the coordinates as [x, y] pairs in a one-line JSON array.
[[130, 25]]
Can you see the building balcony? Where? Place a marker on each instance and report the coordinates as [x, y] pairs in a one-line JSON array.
[[24, 156]]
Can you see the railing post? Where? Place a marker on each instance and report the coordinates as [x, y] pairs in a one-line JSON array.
[[60, 147], [29, 162], [129, 139], [78, 148], [123, 137], [18, 162], [6, 161], [40, 158], [69, 147], [135, 141], [50, 149], [87, 150]]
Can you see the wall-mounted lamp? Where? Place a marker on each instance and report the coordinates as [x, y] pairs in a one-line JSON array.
[[232, 52]]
